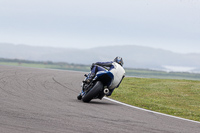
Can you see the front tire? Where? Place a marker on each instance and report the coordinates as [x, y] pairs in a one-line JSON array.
[[93, 92]]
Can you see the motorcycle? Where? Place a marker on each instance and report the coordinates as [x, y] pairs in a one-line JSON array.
[[98, 87]]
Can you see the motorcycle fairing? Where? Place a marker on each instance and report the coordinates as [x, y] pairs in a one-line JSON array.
[[105, 77]]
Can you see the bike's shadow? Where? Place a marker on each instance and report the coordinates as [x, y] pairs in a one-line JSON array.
[[101, 103]]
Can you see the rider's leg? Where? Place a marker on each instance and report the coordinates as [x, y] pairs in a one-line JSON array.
[[92, 74], [94, 70]]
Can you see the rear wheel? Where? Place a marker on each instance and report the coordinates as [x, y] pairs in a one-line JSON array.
[[93, 92]]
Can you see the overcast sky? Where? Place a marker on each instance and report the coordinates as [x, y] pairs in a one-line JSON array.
[[169, 24]]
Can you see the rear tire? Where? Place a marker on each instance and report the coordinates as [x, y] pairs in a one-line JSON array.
[[93, 92]]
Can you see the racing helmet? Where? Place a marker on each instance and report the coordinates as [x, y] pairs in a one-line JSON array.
[[119, 60]]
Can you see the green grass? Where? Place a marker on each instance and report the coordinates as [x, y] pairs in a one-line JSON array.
[[145, 73], [23, 64], [63, 66], [175, 97]]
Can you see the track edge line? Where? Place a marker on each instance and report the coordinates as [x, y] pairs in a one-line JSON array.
[[131, 106]]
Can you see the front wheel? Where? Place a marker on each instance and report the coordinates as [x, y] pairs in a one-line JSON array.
[[93, 92]]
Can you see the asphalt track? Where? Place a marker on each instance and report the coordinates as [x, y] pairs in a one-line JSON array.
[[44, 101]]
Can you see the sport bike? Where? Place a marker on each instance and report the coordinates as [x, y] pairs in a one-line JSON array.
[[98, 87]]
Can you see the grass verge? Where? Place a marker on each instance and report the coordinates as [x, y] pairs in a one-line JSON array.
[[175, 97]]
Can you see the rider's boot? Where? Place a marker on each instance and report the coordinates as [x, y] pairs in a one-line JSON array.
[[90, 77]]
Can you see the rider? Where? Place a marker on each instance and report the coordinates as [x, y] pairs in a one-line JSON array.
[[115, 67]]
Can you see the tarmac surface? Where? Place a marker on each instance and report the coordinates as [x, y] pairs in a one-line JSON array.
[[44, 101]]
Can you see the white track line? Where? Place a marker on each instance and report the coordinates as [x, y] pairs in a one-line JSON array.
[[150, 110]]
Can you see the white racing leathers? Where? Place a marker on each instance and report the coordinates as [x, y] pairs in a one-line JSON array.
[[118, 73]]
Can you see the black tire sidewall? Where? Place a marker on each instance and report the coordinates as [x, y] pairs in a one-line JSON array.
[[93, 92]]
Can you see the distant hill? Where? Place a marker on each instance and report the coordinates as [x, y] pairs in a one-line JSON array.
[[134, 56]]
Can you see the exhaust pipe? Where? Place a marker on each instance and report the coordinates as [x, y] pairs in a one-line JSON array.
[[106, 91]]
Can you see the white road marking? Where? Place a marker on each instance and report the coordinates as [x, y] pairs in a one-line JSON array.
[[150, 110]]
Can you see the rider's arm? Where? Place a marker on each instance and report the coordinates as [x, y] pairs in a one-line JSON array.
[[107, 64]]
